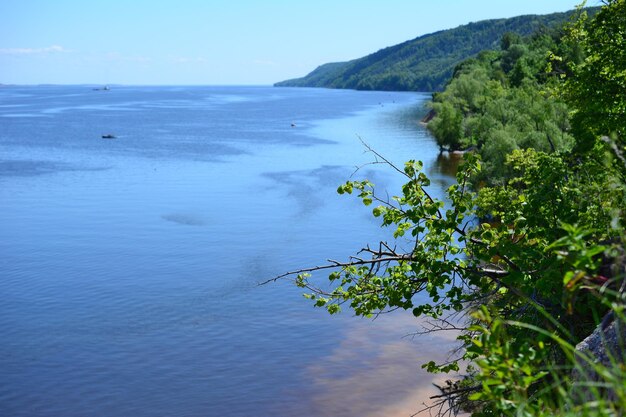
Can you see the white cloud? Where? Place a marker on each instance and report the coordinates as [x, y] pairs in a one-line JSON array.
[[33, 51]]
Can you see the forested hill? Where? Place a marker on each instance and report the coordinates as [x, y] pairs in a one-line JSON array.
[[425, 63]]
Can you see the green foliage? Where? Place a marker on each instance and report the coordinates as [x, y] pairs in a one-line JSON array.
[[434, 263], [597, 84], [425, 63], [506, 102], [448, 126], [510, 370], [526, 262], [523, 254], [515, 381], [528, 265]]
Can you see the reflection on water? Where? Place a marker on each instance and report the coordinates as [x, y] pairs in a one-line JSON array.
[[447, 163], [29, 167], [367, 374], [184, 219]]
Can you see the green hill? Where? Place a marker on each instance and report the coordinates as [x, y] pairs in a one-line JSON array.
[[425, 63]]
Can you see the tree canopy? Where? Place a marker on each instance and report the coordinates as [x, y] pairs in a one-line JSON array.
[[597, 86], [525, 250]]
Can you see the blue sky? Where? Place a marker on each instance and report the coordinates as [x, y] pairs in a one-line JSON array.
[[212, 42]]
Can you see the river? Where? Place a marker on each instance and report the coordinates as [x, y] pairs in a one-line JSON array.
[[130, 265]]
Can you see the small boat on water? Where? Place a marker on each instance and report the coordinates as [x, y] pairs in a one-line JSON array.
[[108, 136]]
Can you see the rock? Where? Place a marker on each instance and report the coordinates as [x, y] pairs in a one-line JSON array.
[[601, 357], [604, 348]]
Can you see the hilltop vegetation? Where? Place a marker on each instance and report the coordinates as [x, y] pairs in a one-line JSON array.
[[425, 63]]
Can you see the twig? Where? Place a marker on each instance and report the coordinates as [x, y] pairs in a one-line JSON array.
[[336, 264]]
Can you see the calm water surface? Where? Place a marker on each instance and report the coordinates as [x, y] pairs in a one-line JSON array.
[[129, 266]]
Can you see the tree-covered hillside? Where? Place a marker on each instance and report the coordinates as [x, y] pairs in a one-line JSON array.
[[425, 63]]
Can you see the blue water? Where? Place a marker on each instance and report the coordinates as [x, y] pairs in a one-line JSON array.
[[129, 267]]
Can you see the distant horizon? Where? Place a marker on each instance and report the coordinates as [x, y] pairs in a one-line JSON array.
[[68, 42], [89, 84]]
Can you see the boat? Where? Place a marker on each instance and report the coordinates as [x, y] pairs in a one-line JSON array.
[[108, 136]]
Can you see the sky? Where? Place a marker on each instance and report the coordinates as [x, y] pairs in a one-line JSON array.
[[218, 42]]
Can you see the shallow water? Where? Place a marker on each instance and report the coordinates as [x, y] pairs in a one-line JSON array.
[[130, 266]]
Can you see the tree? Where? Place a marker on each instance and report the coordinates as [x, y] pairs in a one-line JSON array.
[[523, 258], [448, 127], [597, 84]]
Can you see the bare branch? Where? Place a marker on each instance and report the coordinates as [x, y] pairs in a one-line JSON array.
[[448, 394], [382, 158], [393, 166], [337, 264], [438, 325]]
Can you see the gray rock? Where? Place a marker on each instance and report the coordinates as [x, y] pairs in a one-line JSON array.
[[604, 348]]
